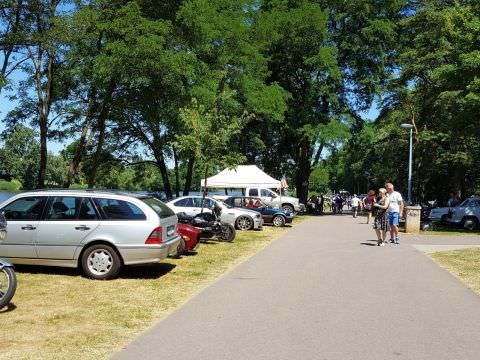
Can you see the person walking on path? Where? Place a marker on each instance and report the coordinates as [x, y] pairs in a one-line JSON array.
[[381, 220], [355, 201], [368, 204], [395, 209]]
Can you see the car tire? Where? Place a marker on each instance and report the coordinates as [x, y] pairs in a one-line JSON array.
[[11, 280], [470, 223], [288, 208], [101, 262], [278, 221], [244, 222], [228, 233], [180, 249]]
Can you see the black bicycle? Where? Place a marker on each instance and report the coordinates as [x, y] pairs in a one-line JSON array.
[[8, 279]]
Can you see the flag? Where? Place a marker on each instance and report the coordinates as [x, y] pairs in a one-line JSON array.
[[284, 183]]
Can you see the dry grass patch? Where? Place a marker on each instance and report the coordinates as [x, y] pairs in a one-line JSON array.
[[58, 314], [463, 263]]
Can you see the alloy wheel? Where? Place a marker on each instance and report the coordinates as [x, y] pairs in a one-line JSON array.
[[244, 223], [99, 262]]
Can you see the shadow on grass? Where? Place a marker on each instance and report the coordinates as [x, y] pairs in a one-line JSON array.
[[48, 270], [153, 271], [9, 307], [190, 253], [270, 225], [214, 241], [149, 271]]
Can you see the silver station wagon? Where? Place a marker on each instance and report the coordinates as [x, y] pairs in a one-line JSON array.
[[96, 231]]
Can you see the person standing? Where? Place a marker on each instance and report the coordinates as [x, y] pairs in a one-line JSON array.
[[355, 201], [395, 209], [368, 204], [380, 218]]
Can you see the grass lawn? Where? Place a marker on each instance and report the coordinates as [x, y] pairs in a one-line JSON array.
[[58, 314], [449, 230], [463, 263]]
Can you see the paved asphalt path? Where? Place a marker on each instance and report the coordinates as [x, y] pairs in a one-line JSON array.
[[323, 291]]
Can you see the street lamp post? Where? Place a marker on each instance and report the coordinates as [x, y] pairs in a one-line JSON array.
[[410, 161]]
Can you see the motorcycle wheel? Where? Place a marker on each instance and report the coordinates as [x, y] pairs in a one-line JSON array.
[[228, 233], [8, 285]]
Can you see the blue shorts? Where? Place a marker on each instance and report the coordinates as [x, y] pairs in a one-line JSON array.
[[394, 218]]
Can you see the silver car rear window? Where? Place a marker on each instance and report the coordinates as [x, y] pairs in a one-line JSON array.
[[162, 210]]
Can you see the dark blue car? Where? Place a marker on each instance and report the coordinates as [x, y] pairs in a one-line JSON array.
[[276, 217]]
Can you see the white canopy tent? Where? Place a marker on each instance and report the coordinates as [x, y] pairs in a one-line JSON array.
[[242, 176]]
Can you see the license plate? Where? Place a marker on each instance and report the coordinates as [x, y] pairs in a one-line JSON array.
[[171, 230]]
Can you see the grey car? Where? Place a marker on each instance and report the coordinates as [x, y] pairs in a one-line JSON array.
[[466, 215], [96, 231]]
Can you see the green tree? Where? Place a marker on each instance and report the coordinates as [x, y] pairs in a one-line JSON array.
[[20, 155], [211, 135], [333, 58]]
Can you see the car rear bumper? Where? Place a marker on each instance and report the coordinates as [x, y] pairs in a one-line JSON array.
[[258, 223], [300, 208], [147, 254]]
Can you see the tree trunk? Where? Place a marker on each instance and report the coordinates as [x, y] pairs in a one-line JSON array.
[[42, 171], [303, 171], [98, 151], [204, 187], [82, 143], [188, 178], [177, 175], [160, 160]]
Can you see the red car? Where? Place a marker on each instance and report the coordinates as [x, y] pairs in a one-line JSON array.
[[190, 238]]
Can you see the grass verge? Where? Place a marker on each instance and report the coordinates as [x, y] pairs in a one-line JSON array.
[[449, 230], [463, 263], [58, 314]]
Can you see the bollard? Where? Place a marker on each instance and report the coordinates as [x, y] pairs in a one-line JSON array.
[[412, 219]]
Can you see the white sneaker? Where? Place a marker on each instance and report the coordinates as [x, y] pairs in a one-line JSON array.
[[382, 244]]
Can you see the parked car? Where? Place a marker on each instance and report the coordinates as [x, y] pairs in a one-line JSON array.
[[190, 239], [438, 214], [97, 231], [242, 219], [270, 215], [271, 198], [467, 214]]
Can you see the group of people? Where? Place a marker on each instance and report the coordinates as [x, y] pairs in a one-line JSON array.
[[386, 207], [335, 204], [316, 203]]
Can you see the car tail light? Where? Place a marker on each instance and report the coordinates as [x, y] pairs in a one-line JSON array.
[[155, 237]]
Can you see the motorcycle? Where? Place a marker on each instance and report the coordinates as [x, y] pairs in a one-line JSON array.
[[8, 280], [209, 224]]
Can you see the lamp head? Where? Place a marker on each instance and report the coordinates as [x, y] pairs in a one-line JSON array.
[[407, 126]]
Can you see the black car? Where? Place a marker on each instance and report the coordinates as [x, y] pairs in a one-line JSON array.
[[277, 217]]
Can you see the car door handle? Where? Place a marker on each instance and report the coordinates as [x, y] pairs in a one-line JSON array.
[[28, 227], [82, 228]]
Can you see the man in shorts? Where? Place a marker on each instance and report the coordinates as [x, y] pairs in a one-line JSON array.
[[395, 209]]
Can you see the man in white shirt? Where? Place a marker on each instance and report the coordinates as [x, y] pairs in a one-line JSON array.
[[395, 209], [355, 202]]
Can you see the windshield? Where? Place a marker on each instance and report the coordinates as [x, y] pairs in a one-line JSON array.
[[162, 210], [465, 203], [224, 204]]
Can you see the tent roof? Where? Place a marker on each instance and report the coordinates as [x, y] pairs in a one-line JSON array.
[[241, 177]]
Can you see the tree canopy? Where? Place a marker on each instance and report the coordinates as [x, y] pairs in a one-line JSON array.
[[149, 95]]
